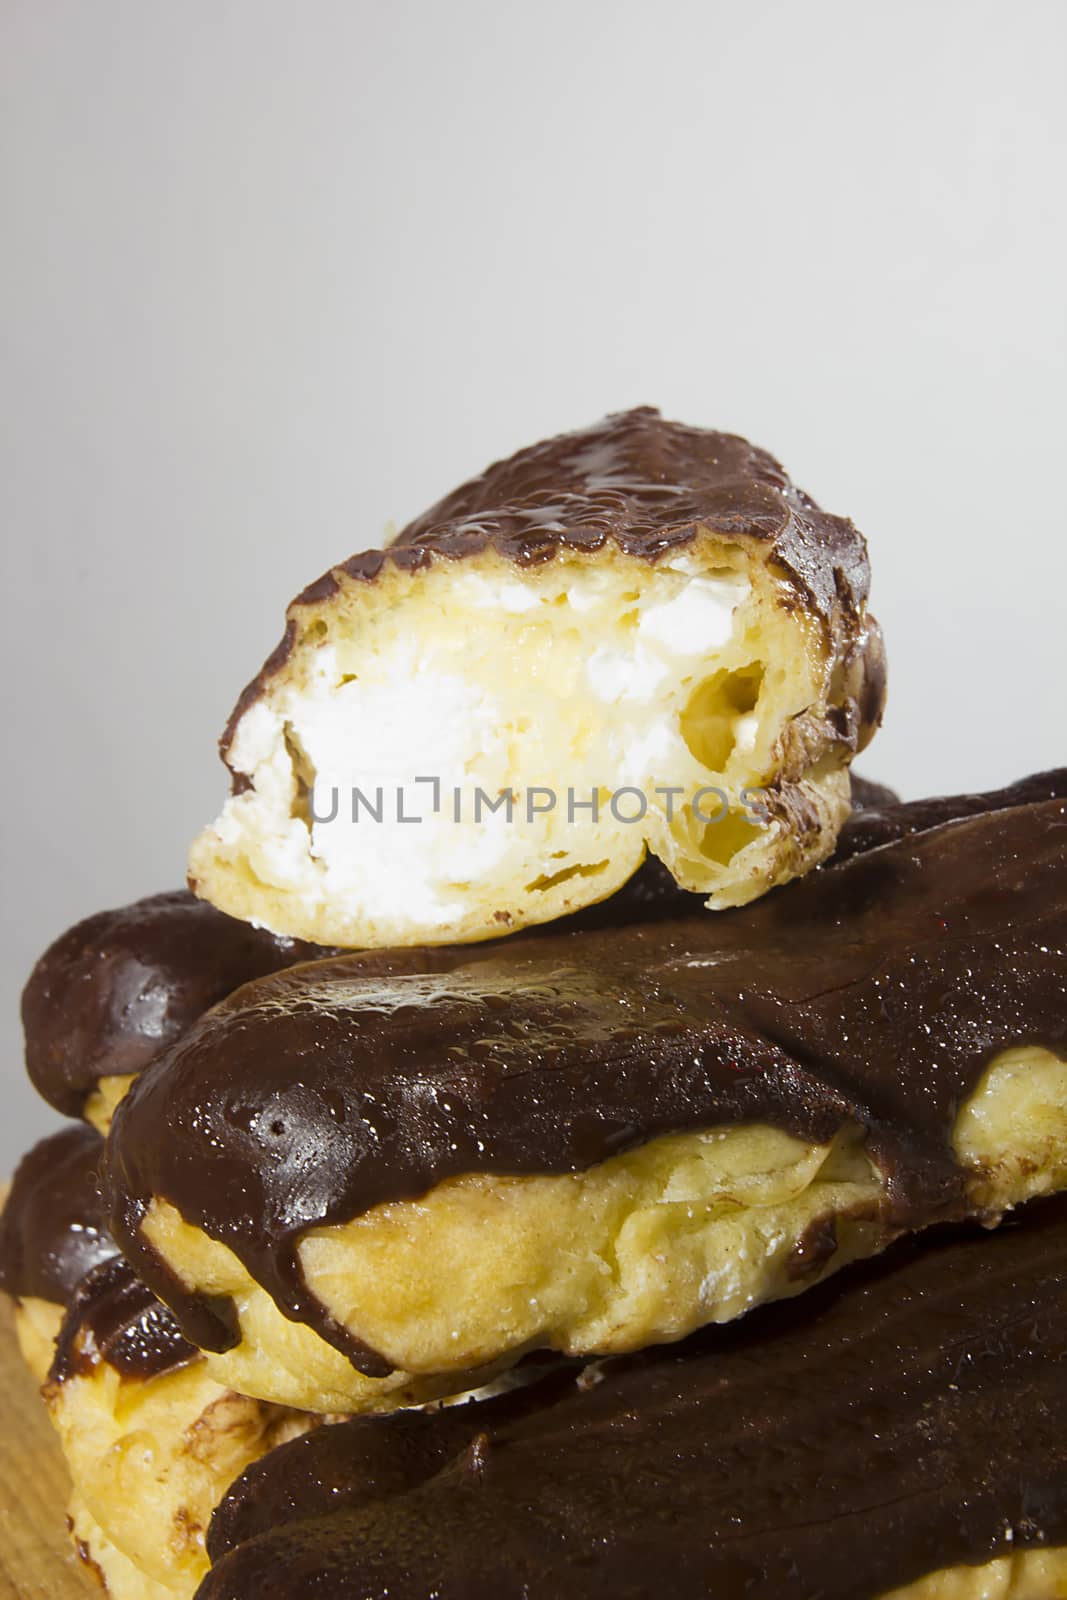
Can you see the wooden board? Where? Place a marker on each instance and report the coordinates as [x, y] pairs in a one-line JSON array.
[[36, 1558]]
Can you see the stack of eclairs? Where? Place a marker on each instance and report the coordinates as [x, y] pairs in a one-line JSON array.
[[572, 1137]]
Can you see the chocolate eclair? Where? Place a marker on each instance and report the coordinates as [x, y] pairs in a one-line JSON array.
[[906, 1418], [359, 1187], [120, 986], [640, 637]]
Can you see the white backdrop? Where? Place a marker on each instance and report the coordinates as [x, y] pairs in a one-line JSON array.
[[275, 274]]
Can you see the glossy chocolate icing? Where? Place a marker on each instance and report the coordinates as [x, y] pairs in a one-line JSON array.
[[872, 993], [908, 1415], [113, 1317], [120, 986], [54, 1224], [644, 485]]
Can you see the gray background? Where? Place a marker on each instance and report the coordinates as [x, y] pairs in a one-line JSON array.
[[275, 274]]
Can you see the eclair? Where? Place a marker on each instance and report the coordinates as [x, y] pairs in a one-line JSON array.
[[362, 1187], [638, 638]]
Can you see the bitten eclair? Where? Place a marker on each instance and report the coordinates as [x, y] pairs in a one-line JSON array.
[[359, 1187], [636, 638]]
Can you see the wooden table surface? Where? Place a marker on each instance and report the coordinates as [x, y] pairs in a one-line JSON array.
[[36, 1558]]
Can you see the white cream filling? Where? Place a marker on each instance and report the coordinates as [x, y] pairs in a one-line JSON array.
[[699, 618], [617, 674], [512, 690]]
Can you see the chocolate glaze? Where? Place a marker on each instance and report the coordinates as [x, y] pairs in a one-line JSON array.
[[873, 993], [646, 486], [113, 1317], [54, 1224], [908, 1415], [114, 990]]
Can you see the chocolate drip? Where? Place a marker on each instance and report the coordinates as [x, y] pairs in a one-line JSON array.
[[114, 990], [873, 993], [113, 1318], [54, 1225], [908, 1415]]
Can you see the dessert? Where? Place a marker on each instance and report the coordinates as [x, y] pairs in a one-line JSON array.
[[441, 1095], [359, 1188], [639, 637], [898, 1432]]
